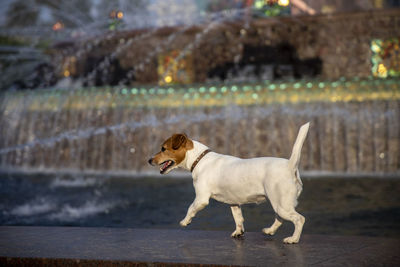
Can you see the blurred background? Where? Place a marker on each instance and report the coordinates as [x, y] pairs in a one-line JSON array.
[[90, 89]]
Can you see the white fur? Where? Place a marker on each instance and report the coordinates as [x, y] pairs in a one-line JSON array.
[[238, 181]]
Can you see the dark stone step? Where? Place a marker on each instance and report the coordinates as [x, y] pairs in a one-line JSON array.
[[73, 246]]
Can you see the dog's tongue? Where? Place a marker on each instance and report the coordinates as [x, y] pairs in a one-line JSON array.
[[165, 165]]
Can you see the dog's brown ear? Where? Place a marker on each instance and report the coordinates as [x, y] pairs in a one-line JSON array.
[[178, 140]]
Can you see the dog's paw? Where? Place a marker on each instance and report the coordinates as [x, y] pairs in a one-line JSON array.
[[291, 240], [268, 231], [237, 233], [184, 223]]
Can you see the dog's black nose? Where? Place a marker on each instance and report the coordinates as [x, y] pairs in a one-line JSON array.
[[151, 161]]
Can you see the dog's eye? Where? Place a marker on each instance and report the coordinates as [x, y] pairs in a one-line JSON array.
[[163, 149]]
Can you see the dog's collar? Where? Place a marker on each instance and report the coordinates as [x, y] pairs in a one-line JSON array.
[[199, 158]]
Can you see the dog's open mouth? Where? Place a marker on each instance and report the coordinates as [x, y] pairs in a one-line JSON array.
[[166, 165]]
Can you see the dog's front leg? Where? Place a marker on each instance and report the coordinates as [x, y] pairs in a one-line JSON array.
[[197, 205], [238, 217]]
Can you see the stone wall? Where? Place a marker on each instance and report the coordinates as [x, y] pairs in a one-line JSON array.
[[340, 41]]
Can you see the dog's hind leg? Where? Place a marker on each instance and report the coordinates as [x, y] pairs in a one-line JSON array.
[[271, 194], [297, 219], [238, 217], [272, 229]]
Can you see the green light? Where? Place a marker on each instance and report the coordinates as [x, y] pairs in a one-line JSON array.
[[161, 91], [152, 91], [321, 85], [282, 86], [213, 89], [259, 4], [143, 91], [234, 88], [224, 89], [202, 89], [309, 85], [255, 96], [271, 87], [124, 91], [134, 91], [297, 85], [170, 90]]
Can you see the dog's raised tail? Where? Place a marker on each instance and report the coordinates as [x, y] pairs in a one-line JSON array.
[[296, 152]]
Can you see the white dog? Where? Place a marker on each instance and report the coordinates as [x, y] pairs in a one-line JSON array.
[[238, 181]]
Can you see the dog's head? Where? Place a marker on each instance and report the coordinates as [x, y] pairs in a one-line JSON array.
[[173, 152]]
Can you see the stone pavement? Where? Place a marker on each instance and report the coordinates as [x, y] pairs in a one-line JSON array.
[[73, 246]]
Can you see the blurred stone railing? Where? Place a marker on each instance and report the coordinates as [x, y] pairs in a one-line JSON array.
[[355, 125]]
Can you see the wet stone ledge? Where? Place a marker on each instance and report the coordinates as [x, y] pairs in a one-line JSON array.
[[73, 246]]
